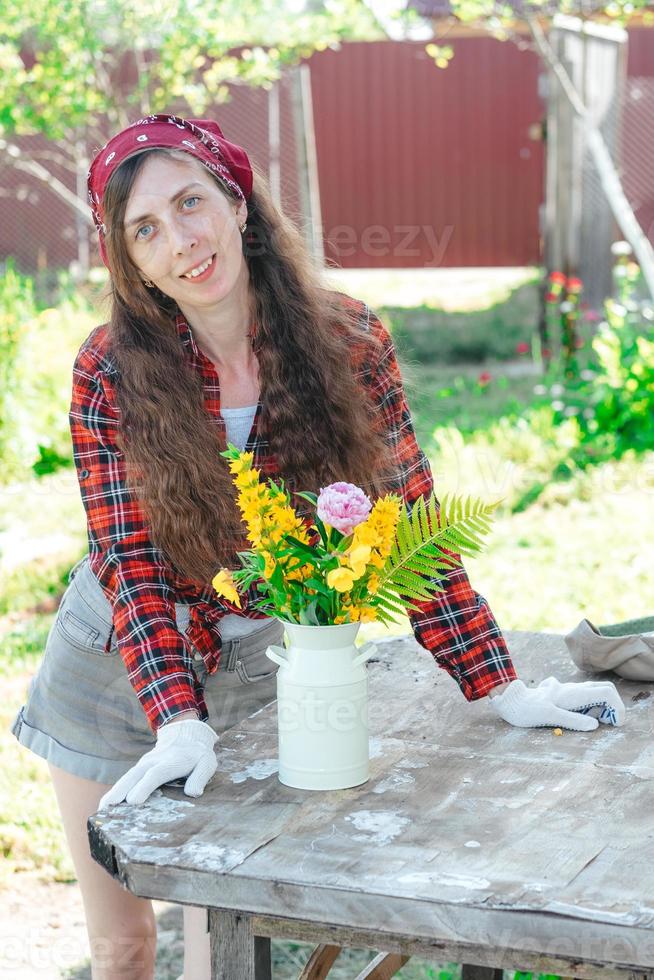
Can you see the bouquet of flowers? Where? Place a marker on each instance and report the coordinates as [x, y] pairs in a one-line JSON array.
[[357, 562]]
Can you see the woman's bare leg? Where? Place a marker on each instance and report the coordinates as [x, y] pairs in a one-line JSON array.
[[121, 927], [197, 962]]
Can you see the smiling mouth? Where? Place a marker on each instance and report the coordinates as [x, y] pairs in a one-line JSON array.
[[201, 272]]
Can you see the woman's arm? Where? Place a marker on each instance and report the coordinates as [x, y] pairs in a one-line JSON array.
[[456, 626], [134, 575]]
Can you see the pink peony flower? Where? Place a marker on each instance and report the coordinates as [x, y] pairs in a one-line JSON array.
[[343, 506]]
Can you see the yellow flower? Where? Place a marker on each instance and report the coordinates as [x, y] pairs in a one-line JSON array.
[[367, 614], [244, 462], [378, 530], [246, 479], [224, 585], [373, 583], [365, 534], [300, 574], [340, 579], [387, 508], [356, 559], [252, 496], [270, 565], [377, 560], [359, 555]]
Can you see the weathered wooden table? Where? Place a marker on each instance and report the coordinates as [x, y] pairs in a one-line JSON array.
[[472, 842]]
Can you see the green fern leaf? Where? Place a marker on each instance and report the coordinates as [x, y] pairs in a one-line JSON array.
[[424, 532]]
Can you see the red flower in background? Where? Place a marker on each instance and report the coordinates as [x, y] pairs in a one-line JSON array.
[[557, 277], [551, 297], [575, 285], [522, 348], [484, 378]]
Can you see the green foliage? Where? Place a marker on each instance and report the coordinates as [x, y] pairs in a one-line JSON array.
[[37, 348], [17, 306], [60, 62], [423, 536], [514, 457], [608, 386], [498, 18], [620, 394]]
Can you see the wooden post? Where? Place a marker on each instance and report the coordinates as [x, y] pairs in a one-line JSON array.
[[274, 151], [579, 217], [480, 973], [307, 163], [235, 950]]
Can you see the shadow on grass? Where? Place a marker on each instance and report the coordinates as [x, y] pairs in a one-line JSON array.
[[432, 335]]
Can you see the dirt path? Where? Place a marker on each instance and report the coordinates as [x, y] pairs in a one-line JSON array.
[[43, 936]]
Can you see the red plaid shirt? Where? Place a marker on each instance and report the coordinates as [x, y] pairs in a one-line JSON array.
[[456, 627]]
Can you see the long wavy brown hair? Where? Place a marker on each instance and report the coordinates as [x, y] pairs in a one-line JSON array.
[[317, 418]]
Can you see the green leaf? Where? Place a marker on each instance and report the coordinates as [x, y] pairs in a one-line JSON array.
[[306, 495], [417, 561], [308, 615], [305, 549], [314, 583]]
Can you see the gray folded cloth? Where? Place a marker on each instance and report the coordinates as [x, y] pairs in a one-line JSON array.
[[630, 655]]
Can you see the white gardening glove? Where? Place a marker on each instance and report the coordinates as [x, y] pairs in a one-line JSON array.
[[184, 748], [580, 707]]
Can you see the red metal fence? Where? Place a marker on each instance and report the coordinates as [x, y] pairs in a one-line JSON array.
[[428, 167], [418, 166]]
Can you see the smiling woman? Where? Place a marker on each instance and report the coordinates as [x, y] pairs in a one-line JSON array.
[[214, 302], [273, 336]]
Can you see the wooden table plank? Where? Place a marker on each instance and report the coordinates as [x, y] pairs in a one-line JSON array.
[[468, 831]]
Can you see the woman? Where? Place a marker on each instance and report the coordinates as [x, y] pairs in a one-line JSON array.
[[220, 329]]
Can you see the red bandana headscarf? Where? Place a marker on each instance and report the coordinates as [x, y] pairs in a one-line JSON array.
[[202, 138]]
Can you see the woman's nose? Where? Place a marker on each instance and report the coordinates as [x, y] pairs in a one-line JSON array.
[[182, 237]]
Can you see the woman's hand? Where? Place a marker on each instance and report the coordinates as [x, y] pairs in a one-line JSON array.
[[184, 748], [580, 707]]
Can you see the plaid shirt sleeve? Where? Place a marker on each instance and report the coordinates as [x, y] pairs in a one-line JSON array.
[[457, 626], [134, 575]]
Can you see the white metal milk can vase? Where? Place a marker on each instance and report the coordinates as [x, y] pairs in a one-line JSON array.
[[322, 706]]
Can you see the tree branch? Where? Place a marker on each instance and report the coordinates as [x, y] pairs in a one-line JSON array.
[[21, 162]]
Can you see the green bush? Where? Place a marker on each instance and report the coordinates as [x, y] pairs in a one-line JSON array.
[[37, 349], [513, 459], [611, 394], [17, 307]]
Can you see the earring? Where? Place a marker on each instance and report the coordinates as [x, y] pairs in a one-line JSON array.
[[150, 285], [243, 226]]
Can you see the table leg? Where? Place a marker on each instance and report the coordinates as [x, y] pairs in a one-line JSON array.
[[235, 950], [469, 972]]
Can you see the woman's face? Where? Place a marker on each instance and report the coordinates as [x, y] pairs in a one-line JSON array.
[[177, 219]]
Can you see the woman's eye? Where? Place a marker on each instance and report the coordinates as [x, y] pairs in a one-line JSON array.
[[145, 227]]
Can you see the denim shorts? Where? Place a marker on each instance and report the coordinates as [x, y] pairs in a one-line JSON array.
[[82, 713]]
